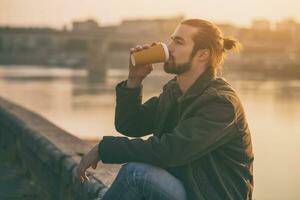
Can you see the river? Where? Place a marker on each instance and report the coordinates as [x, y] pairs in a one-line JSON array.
[[86, 109]]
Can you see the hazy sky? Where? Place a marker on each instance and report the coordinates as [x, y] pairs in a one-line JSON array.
[[56, 13]]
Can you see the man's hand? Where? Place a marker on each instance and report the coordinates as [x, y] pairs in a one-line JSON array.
[[88, 160], [139, 72]]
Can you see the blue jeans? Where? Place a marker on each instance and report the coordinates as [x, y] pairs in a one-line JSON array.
[[140, 181]]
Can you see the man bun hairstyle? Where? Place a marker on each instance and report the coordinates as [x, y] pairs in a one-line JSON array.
[[210, 37], [231, 44]]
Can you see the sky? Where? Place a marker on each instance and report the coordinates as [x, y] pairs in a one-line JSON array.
[[56, 13]]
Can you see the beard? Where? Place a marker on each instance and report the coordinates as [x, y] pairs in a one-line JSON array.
[[171, 67]]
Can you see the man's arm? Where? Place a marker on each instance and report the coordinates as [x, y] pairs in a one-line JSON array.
[[211, 127], [132, 118]]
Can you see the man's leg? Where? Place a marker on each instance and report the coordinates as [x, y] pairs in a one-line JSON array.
[[140, 181]]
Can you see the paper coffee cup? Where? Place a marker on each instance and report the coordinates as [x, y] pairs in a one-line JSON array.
[[154, 54]]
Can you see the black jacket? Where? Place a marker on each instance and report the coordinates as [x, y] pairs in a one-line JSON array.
[[209, 148]]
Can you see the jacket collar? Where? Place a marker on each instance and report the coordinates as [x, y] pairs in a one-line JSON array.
[[196, 89]]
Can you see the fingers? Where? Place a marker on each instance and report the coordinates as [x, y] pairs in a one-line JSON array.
[[81, 174], [141, 47], [81, 171], [84, 178], [154, 43], [137, 48], [146, 46], [81, 179]]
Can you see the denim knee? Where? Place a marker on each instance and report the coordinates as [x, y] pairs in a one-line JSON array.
[[133, 170], [152, 180]]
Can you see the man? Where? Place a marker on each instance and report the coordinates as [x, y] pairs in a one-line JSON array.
[[201, 144]]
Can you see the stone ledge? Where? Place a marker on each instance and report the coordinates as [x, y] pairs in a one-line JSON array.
[[46, 146]]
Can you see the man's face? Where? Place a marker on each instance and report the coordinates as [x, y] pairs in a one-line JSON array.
[[180, 46]]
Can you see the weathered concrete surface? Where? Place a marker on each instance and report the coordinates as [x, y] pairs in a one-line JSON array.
[[50, 154], [14, 182]]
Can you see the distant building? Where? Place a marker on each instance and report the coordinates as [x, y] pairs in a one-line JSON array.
[[287, 25], [291, 27], [86, 26], [261, 25], [148, 29]]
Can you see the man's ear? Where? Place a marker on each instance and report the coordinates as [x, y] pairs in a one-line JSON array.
[[203, 55]]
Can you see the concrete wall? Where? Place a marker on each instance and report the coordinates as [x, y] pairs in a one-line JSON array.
[[50, 155]]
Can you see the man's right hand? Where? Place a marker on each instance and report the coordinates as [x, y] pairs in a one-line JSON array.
[[139, 72]]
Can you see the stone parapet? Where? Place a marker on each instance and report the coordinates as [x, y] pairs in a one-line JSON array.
[[50, 154]]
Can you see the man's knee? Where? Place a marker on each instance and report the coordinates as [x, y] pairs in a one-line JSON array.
[[136, 167], [138, 171], [152, 179]]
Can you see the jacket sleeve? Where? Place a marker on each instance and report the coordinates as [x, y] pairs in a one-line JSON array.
[[132, 118], [208, 129]]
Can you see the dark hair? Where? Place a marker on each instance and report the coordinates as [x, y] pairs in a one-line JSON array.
[[210, 37]]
